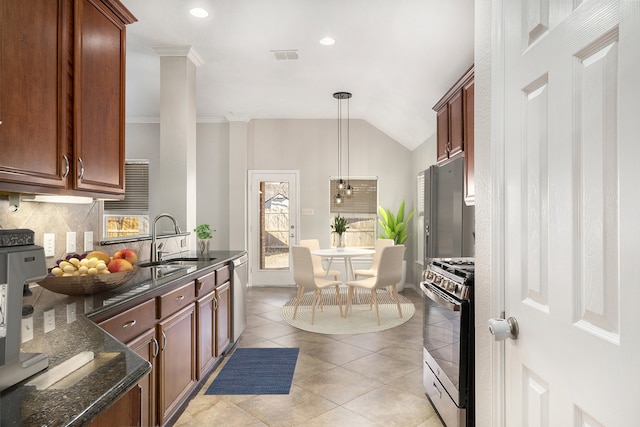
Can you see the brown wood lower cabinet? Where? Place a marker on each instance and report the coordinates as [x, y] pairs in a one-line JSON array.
[[124, 412], [147, 347], [177, 360], [223, 318], [206, 308], [214, 327], [183, 334]]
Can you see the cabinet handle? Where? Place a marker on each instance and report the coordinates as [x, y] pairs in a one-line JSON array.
[[215, 302], [180, 298], [156, 347], [129, 324], [164, 341], [449, 147], [81, 174], [199, 284], [66, 166]]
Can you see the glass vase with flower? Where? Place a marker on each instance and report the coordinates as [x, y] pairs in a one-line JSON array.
[[339, 227]]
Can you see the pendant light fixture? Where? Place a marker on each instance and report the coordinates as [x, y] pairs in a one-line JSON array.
[[342, 185]]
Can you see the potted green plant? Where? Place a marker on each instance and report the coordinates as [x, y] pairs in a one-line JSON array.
[[204, 233], [339, 226], [394, 226]]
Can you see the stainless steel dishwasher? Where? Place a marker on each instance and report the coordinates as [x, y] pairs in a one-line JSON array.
[[239, 295]]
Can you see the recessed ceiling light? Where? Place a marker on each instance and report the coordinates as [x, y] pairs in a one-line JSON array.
[[199, 12], [327, 41]]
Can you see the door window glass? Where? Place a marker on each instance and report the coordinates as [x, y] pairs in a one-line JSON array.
[[275, 224]]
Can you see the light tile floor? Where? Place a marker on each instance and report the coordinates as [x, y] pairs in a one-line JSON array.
[[340, 380]]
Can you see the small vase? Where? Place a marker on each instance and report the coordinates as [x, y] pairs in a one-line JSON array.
[[339, 241], [203, 246]]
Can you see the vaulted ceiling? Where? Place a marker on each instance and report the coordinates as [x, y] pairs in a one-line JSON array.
[[397, 58]]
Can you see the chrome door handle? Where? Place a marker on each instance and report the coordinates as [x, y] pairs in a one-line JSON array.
[[156, 347], [66, 167], [501, 329], [81, 163]]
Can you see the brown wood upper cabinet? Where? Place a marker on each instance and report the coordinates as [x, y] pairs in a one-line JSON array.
[[62, 82], [454, 114], [450, 112]]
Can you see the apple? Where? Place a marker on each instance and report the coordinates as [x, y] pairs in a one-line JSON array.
[[127, 254], [100, 255], [119, 264]]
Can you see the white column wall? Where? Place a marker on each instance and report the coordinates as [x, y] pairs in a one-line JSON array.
[[238, 141], [177, 182]]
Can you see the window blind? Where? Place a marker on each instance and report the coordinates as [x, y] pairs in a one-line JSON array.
[[363, 200], [136, 196]]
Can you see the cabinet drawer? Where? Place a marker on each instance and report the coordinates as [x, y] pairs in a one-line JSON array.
[[175, 300], [205, 284], [133, 322], [222, 275]]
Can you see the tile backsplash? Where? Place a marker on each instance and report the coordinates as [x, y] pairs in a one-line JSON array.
[[60, 218]]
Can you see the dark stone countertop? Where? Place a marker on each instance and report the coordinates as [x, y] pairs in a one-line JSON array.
[[79, 398]]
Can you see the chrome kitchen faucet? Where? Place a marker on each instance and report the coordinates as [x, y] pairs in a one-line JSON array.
[[156, 255]]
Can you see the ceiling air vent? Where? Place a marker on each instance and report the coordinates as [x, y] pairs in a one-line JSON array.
[[285, 55]]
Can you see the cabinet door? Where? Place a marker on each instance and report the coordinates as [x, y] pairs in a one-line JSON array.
[[177, 360], [147, 347], [124, 412], [469, 179], [223, 317], [456, 125], [35, 90], [442, 117], [206, 333], [99, 71]]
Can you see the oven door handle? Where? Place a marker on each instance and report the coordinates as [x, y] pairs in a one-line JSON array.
[[451, 306]]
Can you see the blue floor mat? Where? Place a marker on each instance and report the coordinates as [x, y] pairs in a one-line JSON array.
[[256, 371]]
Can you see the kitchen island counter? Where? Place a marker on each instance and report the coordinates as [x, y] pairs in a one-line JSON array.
[[61, 327]]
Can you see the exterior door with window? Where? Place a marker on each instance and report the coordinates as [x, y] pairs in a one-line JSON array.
[[273, 207], [571, 230]]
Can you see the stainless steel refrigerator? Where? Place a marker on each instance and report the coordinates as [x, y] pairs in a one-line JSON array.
[[449, 224]]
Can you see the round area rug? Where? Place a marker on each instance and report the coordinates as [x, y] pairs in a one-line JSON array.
[[361, 319]]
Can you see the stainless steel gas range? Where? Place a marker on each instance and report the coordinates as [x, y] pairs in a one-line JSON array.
[[448, 338]]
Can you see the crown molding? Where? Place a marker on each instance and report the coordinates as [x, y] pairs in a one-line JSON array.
[[180, 50]]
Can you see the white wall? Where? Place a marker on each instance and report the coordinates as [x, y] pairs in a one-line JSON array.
[[212, 181]]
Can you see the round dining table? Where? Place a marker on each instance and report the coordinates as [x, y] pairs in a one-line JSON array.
[[345, 253]]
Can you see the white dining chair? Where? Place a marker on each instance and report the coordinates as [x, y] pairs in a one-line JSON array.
[[318, 269], [373, 270], [304, 276], [389, 273]]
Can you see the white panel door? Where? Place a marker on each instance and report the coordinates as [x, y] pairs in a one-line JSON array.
[[571, 151]]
